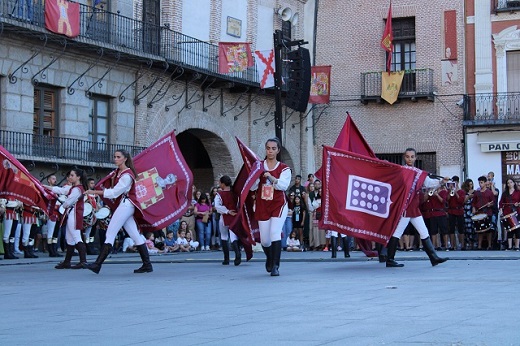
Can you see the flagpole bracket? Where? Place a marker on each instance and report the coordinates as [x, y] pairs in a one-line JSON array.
[[88, 93], [223, 113], [147, 88], [159, 95], [12, 78], [132, 85], [70, 89]]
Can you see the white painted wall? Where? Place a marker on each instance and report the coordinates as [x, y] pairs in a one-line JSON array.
[[480, 163], [196, 18], [236, 9], [265, 28]]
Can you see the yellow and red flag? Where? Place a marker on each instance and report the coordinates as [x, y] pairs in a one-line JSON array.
[[320, 85], [388, 38], [234, 57]]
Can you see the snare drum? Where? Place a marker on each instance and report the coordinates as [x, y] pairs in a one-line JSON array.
[[3, 202], [103, 213], [14, 204], [88, 215], [481, 222], [510, 222]]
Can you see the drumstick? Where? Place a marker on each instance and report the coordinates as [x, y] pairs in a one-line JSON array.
[[485, 205]]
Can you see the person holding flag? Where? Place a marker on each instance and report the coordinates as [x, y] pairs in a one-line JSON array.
[[413, 214], [123, 192], [271, 204], [226, 205]]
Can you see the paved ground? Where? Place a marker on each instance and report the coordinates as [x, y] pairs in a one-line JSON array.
[[191, 299]]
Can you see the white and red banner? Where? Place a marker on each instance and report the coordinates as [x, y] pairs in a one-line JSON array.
[[234, 57], [264, 60], [163, 184], [320, 85], [16, 183], [365, 197], [62, 17]]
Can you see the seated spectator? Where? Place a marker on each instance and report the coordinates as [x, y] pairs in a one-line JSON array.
[[129, 244], [184, 246], [193, 244], [169, 243], [293, 244], [150, 245]]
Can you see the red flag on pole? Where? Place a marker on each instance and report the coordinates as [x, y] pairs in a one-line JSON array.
[[163, 184], [62, 17], [388, 38], [320, 85], [245, 225], [16, 183], [365, 197], [234, 57]]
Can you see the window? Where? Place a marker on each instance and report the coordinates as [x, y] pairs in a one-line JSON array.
[[98, 132], [425, 161], [151, 26], [98, 25], [403, 56], [45, 120]]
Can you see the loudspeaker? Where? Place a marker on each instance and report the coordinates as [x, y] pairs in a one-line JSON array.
[[299, 85]]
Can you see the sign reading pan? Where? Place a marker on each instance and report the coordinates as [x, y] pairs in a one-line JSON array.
[[499, 141]]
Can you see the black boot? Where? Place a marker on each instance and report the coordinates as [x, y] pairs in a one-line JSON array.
[[103, 254], [238, 254], [381, 251], [276, 252], [55, 246], [346, 245], [268, 258], [82, 250], [334, 246], [430, 251], [145, 257], [225, 250], [392, 248], [7, 251], [68, 256], [50, 249], [11, 249], [28, 250]]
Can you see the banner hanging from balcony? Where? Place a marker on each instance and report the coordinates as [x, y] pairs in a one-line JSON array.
[[320, 85], [363, 196], [264, 60], [234, 57], [391, 85], [17, 184], [162, 186], [62, 17]]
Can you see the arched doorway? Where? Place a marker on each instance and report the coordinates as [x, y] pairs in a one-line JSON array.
[[207, 155]]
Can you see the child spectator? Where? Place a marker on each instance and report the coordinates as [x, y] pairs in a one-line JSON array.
[[150, 245], [193, 244], [169, 243], [184, 246], [293, 244]]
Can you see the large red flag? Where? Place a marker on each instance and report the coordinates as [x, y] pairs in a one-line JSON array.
[[388, 38], [320, 85], [163, 184], [365, 197], [245, 225], [16, 183], [62, 17], [234, 57]]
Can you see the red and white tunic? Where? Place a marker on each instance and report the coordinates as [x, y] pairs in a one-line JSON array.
[[268, 208]]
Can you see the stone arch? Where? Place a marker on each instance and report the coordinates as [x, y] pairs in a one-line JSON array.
[[207, 155]]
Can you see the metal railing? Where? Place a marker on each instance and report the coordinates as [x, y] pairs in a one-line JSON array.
[[416, 83], [126, 33], [507, 5], [45, 148], [492, 107]]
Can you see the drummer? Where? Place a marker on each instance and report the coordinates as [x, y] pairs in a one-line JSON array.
[[90, 229], [483, 201], [509, 206]]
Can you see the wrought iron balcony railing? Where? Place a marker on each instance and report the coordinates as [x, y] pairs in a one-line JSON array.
[[47, 148], [416, 84], [507, 5], [497, 108], [109, 29]]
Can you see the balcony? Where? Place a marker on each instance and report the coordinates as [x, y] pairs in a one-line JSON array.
[[507, 5], [133, 39], [491, 109], [28, 146], [416, 84]]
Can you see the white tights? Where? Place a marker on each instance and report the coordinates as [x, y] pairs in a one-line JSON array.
[[271, 230]]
